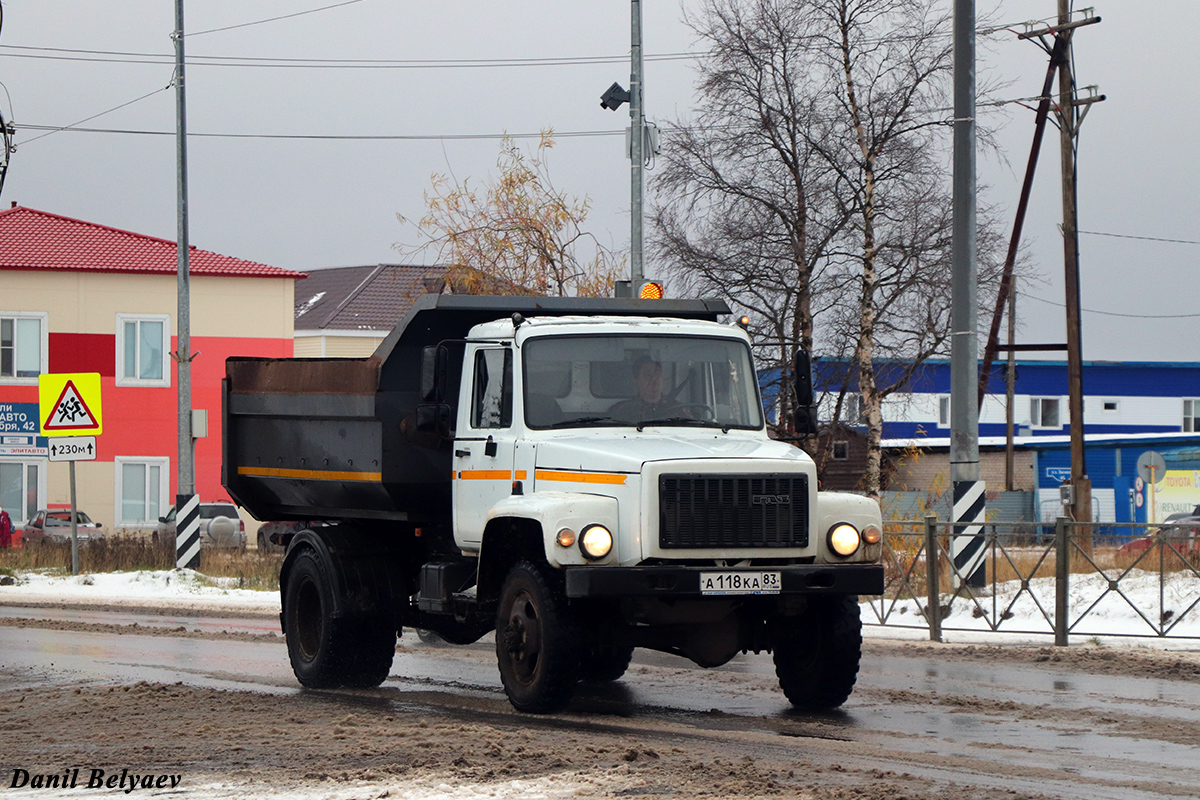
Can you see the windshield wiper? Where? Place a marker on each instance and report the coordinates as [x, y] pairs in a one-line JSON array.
[[689, 421], [582, 421]]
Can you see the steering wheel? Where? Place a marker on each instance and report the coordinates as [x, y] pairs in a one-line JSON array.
[[700, 411]]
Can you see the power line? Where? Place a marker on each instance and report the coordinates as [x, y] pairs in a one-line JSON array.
[[272, 19], [130, 57], [52, 129], [316, 137], [1142, 238], [1114, 313], [126, 57]]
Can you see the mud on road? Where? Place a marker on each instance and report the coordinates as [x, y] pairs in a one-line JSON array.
[[430, 738]]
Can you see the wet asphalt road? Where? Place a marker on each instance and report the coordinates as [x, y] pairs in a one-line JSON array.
[[1031, 728]]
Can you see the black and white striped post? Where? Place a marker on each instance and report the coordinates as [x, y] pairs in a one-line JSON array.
[[187, 531], [967, 546]]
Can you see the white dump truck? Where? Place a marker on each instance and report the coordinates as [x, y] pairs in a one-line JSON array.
[[582, 476]]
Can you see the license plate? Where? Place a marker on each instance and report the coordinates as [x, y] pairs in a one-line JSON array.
[[739, 582]]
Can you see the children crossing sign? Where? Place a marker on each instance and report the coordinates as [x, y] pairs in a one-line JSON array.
[[69, 404]]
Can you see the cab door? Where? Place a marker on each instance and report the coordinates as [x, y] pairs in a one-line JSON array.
[[484, 447]]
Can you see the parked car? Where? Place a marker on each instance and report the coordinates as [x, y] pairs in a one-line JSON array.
[[281, 528], [54, 527], [220, 526], [1181, 535]]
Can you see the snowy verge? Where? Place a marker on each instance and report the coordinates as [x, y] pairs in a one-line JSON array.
[[174, 589]]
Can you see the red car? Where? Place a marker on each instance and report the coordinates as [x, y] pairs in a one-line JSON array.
[[54, 527], [1182, 538]]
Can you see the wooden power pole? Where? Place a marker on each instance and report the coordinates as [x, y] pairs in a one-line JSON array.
[[1071, 111]]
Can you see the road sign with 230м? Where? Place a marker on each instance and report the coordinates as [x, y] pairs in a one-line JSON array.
[[76, 448], [69, 404]]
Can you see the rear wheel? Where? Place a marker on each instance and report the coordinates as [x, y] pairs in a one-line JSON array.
[[371, 652], [326, 652], [536, 642], [606, 664], [817, 656]]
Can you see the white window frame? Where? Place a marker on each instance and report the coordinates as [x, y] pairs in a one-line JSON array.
[[164, 489], [844, 446], [1116, 406], [1191, 414], [21, 515], [165, 381], [943, 402], [44, 360], [1035, 420], [853, 412]]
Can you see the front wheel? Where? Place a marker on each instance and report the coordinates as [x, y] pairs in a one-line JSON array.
[[817, 655], [536, 642]]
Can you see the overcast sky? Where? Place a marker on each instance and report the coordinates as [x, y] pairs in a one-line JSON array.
[[305, 203]]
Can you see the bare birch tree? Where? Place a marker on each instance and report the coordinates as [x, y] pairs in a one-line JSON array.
[[745, 208], [868, 95]]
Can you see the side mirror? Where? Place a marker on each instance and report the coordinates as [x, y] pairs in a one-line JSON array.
[[99, 524], [434, 418], [435, 360], [806, 409], [162, 519]]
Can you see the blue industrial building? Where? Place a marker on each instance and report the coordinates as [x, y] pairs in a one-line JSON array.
[[1130, 408]]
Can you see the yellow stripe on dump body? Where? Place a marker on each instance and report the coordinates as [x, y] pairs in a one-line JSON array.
[[310, 474], [580, 477]]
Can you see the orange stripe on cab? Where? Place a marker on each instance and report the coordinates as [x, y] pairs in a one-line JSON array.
[[580, 477], [485, 475]]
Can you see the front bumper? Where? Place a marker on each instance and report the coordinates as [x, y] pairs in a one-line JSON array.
[[676, 581]]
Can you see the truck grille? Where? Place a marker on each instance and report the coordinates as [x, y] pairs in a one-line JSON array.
[[696, 511]]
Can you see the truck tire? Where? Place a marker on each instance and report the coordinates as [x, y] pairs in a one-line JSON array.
[[325, 652], [536, 641], [606, 664], [816, 659], [369, 658]]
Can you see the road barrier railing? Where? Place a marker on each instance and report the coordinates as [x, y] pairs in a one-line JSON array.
[[1059, 579]]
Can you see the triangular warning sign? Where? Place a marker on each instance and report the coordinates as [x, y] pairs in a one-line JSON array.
[[70, 412]]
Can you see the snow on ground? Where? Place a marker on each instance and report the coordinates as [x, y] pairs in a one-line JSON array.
[[1141, 607], [176, 588], [1141, 604]]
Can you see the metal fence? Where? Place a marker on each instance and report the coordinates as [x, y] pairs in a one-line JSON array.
[[1062, 579]]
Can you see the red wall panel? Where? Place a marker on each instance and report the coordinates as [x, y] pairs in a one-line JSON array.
[[142, 421], [84, 352]]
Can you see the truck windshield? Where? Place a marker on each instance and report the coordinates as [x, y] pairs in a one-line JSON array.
[[641, 381]]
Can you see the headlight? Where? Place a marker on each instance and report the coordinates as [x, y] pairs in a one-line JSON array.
[[596, 541], [843, 539], [872, 534]]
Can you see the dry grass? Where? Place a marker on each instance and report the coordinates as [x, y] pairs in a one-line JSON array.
[[253, 570]]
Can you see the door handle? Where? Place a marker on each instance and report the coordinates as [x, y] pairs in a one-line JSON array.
[[462, 453]]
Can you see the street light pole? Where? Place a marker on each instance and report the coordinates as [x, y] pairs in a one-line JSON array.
[[187, 537], [637, 143], [968, 509]]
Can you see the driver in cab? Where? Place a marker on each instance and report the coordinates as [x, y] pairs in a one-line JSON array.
[[650, 402]]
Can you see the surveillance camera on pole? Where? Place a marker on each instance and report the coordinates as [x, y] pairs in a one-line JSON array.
[[614, 97]]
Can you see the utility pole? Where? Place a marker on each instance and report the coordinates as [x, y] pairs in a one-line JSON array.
[[1081, 506], [967, 544], [637, 143], [187, 520]]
